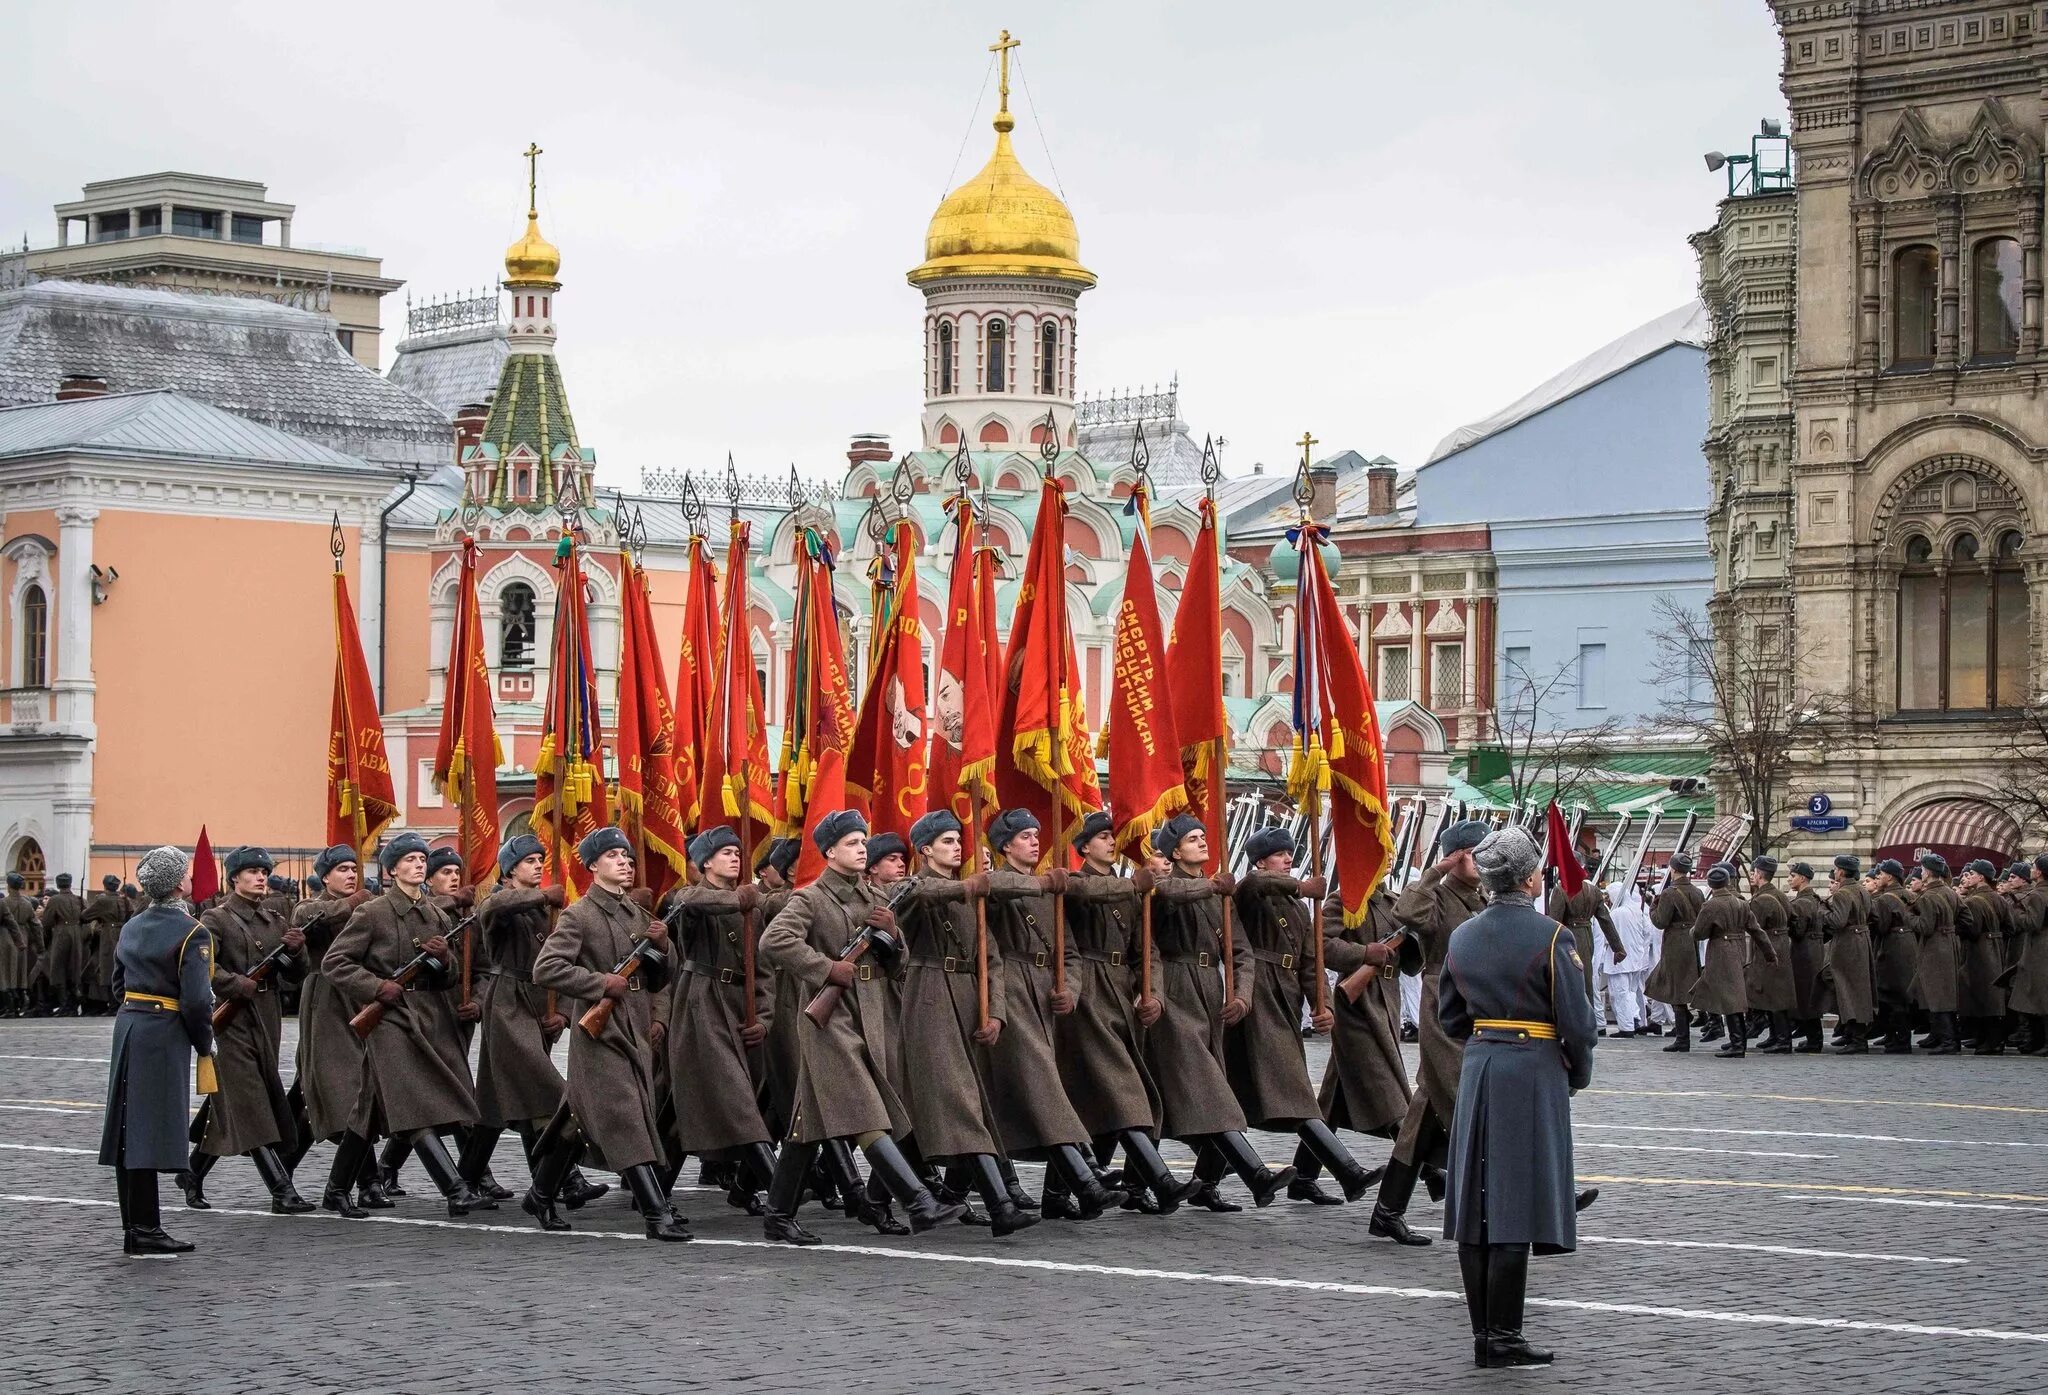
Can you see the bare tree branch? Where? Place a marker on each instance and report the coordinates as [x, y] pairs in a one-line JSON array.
[[2023, 767], [1543, 756]]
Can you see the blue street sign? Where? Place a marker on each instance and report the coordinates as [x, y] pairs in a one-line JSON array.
[[1827, 823], [1819, 804]]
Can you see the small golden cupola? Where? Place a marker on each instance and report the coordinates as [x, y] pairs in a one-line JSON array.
[[532, 261]]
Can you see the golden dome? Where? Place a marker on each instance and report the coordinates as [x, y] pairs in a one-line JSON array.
[[1002, 222], [532, 260]]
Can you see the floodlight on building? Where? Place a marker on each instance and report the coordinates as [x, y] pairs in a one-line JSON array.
[[1767, 169]]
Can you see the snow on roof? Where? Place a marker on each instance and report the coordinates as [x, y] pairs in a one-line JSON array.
[[158, 423], [1688, 324]]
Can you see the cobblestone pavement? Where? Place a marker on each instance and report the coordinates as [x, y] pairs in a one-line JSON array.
[[1778, 1223]]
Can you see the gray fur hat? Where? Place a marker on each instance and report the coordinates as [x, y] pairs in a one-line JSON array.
[[600, 841], [402, 846], [1505, 858], [1720, 875], [932, 827], [1266, 842], [836, 827], [1008, 824], [340, 855], [161, 872], [1765, 864], [243, 859], [516, 850], [1982, 868], [710, 843]]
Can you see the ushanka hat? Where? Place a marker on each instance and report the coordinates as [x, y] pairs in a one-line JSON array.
[[884, 845], [836, 827], [1268, 841], [710, 843], [599, 842], [1007, 825], [1097, 822], [241, 860], [340, 855], [442, 857], [515, 850]]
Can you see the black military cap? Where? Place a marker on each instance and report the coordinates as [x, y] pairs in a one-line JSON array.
[[1934, 864], [600, 841], [404, 845], [241, 860], [929, 829], [110, 882], [1008, 824], [340, 855], [1097, 822], [1892, 868], [511, 852], [1719, 875], [1850, 865], [63, 881], [887, 845], [836, 827], [1765, 864], [710, 843], [1266, 842], [442, 857]]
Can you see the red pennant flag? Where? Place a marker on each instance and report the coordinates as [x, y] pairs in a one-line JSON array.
[[649, 797], [1144, 753], [1558, 851], [821, 708], [1195, 658], [960, 770], [735, 791], [467, 756], [828, 796], [568, 774], [1339, 763], [1044, 759], [205, 870], [886, 769], [360, 800], [694, 670]]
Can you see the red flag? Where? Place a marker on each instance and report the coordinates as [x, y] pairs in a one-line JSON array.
[[1558, 851], [1338, 757], [828, 796], [699, 660], [360, 800], [960, 770], [1144, 753], [649, 796], [467, 757], [735, 792], [1195, 658], [886, 771], [568, 774], [205, 871], [821, 709], [1044, 759]]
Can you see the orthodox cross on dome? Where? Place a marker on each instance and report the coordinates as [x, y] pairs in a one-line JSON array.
[[1001, 48], [533, 154]]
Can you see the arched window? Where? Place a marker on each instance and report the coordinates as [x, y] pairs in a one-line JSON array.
[[35, 638], [998, 349], [516, 627], [1962, 636], [1048, 358], [1916, 297], [1995, 298], [945, 358]]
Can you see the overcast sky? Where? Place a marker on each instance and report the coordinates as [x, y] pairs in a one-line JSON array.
[[1370, 218]]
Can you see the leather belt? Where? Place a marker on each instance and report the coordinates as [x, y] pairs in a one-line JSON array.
[[691, 966], [1200, 960], [1273, 956], [1540, 1031], [154, 999], [951, 964], [1114, 957]]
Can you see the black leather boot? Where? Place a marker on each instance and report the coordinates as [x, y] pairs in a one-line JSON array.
[[1681, 1034], [1020, 1198], [1810, 1028], [1738, 1038], [1319, 1142], [1200, 1190], [1714, 1030], [1779, 1043], [440, 1167], [478, 1143], [1991, 1036], [854, 1193], [142, 1231], [1264, 1182], [785, 1193], [1585, 1198], [302, 1130], [1005, 1216], [1898, 1036], [1090, 1196], [1389, 1211], [1507, 1283], [1472, 1270], [192, 1181], [549, 1173], [919, 1205], [390, 1158], [349, 1156], [1142, 1155], [1855, 1039], [1945, 1027], [284, 1197], [662, 1221]]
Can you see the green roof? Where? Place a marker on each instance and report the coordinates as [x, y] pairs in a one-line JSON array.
[[1620, 782], [531, 409]]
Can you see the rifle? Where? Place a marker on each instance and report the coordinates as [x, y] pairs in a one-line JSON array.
[[1684, 836], [825, 1001], [1354, 984], [366, 1020], [227, 1011], [1613, 842], [643, 954]]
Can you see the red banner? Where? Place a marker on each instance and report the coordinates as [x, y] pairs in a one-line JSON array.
[[1558, 851], [468, 754], [1144, 754], [649, 796], [886, 770], [820, 715], [568, 774], [360, 800], [735, 792], [960, 770], [694, 671], [1196, 660], [205, 870]]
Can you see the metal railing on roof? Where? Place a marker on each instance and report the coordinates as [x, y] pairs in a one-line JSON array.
[[1125, 407], [713, 485]]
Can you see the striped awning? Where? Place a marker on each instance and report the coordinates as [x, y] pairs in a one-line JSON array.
[[1958, 829], [1723, 838]]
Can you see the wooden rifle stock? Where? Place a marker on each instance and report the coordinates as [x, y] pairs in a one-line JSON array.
[[747, 967], [599, 1016], [1354, 984], [227, 1011], [980, 961], [1230, 959], [366, 1019], [1145, 945], [825, 1001]]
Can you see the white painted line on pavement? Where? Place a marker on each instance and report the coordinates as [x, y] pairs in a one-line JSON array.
[[1767, 1249], [1682, 1148], [76, 1060], [1902, 1201], [45, 1109], [1821, 1099], [1807, 1133], [1118, 1271], [48, 1148]]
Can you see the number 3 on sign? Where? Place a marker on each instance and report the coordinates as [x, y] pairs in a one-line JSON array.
[[1819, 804]]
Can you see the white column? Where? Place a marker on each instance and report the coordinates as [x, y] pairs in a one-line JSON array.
[[74, 685], [368, 574]]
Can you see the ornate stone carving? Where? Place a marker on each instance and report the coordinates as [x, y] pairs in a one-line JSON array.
[[1909, 166]]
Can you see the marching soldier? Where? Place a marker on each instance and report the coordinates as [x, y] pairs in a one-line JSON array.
[[888, 859], [17, 945], [779, 1051], [1981, 929], [1935, 907], [254, 951], [2029, 996], [419, 1072], [1185, 1047], [1678, 964], [1263, 1054], [66, 941], [1579, 913], [1365, 1083], [332, 1071], [1806, 927], [446, 891], [1848, 972], [1721, 924], [822, 938], [1099, 1044], [1440, 900], [1768, 982], [1528, 1048], [102, 917]]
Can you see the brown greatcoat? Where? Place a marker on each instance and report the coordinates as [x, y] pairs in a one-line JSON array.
[[1678, 963], [418, 1068], [515, 1069], [334, 1076], [1184, 1048], [781, 1052], [1806, 916], [1578, 914], [65, 941], [1032, 1114], [947, 1093], [2029, 987], [101, 923], [1721, 923], [1934, 918], [843, 1084], [1849, 970], [1894, 950], [1365, 1085], [250, 1110], [709, 1076], [1431, 907], [1981, 929], [1097, 1045], [17, 940], [611, 1076], [1262, 1054], [1769, 986]]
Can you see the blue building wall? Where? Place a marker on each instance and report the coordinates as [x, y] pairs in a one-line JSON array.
[[1597, 509]]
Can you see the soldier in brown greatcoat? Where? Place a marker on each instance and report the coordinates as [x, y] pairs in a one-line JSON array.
[[1579, 913], [332, 1086], [1440, 900], [250, 1113], [1721, 924], [17, 945], [1678, 964], [1981, 929], [1365, 1084], [1935, 905], [2028, 994], [65, 942], [1849, 974], [773, 862], [1894, 958], [1806, 917], [1769, 981], [843, 1087], [1099, 1044], [1185, 1047], [101, 919], [1262, 1054], [419, 1073]]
